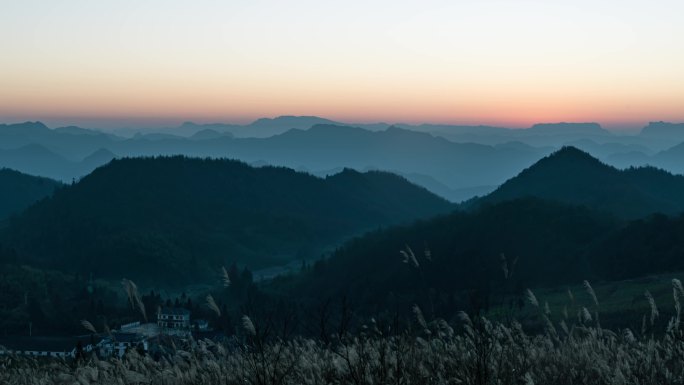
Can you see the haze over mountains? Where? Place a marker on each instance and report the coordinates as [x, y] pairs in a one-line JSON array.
[[456, 162]]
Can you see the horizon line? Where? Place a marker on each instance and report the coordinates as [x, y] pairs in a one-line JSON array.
[[151, 123]]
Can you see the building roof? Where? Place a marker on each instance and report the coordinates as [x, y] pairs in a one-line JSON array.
[[175, 311], [150, 329], [128, 337]]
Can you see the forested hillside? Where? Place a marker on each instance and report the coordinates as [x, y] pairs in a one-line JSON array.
[[575, 177], [171, 220], [18, 191], [466, 259]]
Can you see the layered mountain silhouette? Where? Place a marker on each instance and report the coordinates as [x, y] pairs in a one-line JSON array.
[[36, 159], [670, 159], [70, 143], [457, 165], [566, 129], [664, 130], [566, 218], [184, 218], [323, 147], [18, 191], [575, 177], [260, 128], [456, 162]]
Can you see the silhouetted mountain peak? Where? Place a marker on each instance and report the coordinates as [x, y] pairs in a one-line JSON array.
[[566, 166], [348, 171], [572, 176], [571, 154]]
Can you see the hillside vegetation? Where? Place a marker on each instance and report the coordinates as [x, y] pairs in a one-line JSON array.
[[568, 349], [170, 220], [455, 261], [18, 191], [575, 177]]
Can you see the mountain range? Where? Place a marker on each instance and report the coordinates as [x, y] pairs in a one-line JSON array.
[[456, 162], [187, 216], [565, 219]]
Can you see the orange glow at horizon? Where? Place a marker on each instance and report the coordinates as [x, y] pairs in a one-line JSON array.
[[476, 62]]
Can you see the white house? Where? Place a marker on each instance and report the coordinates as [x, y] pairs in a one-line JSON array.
[[118, 343], [174, 321]]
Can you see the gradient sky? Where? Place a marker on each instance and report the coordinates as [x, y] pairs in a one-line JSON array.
[[128, 62]]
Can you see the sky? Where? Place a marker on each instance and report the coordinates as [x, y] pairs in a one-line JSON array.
[[508, 63]]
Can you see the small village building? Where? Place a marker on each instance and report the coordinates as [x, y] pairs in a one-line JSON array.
[[119, 343], [130, 326], [174, 321]]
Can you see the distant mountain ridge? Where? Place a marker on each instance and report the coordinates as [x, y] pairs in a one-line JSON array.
[[664, 129], [459, 166], [187, 217], [260, 128], [454, 161], [567, 128]]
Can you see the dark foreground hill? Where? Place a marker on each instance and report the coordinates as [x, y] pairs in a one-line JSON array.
[[172, 220], [565, 219], [544, 244], [552, 242], [18, 191], [575, 177]]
